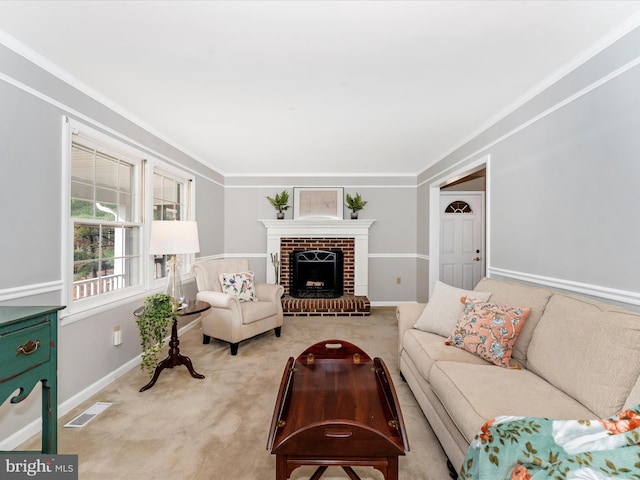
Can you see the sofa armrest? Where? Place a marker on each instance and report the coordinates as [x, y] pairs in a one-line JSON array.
[[269, 292], [218, 299], [407, 314]]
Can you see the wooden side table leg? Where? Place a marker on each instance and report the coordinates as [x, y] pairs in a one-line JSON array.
[[174, 358]]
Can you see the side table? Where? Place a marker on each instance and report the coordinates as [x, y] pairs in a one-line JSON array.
[[175, 357]]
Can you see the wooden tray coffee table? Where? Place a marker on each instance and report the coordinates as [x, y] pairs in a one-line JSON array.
[[337, 407]]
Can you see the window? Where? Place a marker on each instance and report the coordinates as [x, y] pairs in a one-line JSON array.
[[105, 218], [114, 192], [171, 197], [458, 207]]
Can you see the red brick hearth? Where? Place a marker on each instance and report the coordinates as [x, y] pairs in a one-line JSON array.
[[348, 304]]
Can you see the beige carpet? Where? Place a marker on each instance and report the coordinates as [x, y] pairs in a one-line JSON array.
[[217, 428]]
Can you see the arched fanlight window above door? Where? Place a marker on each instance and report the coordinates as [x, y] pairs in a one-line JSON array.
[[458, 206]]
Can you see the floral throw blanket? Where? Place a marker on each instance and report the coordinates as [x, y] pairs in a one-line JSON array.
[[530, 448]]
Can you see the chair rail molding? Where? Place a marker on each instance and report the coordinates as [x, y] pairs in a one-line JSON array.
[[628, 298]]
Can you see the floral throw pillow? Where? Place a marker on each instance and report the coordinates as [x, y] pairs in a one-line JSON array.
[[240, 285], [489, 330]]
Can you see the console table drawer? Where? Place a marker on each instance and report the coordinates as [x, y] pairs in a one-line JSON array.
[[28, 356], [23, 349]]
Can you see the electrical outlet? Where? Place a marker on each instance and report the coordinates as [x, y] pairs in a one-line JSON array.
[[117, 335], [398, 280]]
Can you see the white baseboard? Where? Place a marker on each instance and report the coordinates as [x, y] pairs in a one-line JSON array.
[[33, 428], [389, 304]]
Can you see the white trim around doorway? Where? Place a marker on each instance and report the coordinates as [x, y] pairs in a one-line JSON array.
[[434, 214]]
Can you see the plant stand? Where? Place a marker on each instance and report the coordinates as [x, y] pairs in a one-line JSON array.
[[175, 358]]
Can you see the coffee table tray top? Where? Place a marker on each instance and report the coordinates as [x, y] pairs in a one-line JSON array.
[[335, 402]]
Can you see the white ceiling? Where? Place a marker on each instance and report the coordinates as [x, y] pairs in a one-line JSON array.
[[315, 87]]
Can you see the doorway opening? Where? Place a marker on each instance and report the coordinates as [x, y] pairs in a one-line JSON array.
[[471, 179]]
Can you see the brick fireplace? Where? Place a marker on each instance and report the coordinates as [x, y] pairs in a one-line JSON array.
[[350, 236], [288, 245]]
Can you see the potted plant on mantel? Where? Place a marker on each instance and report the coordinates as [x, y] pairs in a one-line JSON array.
[[153, 323], [355, 204], [280, 203]]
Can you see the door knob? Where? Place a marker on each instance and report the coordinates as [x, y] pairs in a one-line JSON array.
[[477, 259]]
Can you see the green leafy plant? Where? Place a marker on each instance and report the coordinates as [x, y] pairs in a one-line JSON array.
[[280, 201], [153, 323], [355, 203]]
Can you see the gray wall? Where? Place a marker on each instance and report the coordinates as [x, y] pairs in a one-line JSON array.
[[392, 237], [564, 181], [30, 189]]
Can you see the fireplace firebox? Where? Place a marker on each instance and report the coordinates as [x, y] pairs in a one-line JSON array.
[[316, 273]]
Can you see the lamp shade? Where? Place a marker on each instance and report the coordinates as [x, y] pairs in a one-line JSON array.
[[173, 237]]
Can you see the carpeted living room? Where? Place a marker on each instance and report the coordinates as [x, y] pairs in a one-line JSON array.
[[382, 239], [218, 427]]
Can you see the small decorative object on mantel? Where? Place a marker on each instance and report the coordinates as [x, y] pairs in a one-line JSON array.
[[275, 260], [280, 203], [355, 204]]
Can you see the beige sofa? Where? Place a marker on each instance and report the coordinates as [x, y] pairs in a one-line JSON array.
[[580, 359]]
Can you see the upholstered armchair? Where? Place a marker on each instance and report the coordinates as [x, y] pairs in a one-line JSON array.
[[230, 319]]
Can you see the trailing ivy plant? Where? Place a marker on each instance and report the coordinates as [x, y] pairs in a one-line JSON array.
[[153, 323]]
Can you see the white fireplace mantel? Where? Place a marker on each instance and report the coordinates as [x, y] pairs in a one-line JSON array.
[[356, 229]]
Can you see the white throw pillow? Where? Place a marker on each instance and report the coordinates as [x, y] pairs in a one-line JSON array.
[[240, 285], [441, 314]]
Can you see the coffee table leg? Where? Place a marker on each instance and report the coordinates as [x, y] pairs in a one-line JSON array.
[[352, 475], [392, 468], [318, 473], [281, 467]]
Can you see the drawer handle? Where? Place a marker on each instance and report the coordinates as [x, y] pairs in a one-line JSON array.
[[337, 433], [28, 348]]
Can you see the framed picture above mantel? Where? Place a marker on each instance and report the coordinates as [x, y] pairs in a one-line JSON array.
[[318, 202]]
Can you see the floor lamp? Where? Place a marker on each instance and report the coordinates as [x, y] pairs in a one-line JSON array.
[[174, 237]]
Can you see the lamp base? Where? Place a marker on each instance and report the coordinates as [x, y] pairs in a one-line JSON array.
[[174, 283]]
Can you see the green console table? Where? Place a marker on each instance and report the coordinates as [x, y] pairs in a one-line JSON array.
[[28, 355]]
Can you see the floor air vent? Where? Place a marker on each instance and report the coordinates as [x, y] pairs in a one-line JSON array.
[[88, 415]]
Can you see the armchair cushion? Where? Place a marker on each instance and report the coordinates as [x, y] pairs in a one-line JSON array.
[[254, 311], [239, 284]]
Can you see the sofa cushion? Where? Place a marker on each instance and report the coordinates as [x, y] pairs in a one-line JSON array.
[[588, 349], [426, 348], [445, 306], [507, 293], [489, 330], [473, 394]]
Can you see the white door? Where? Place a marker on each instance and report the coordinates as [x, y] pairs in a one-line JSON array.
[[462, 238]]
